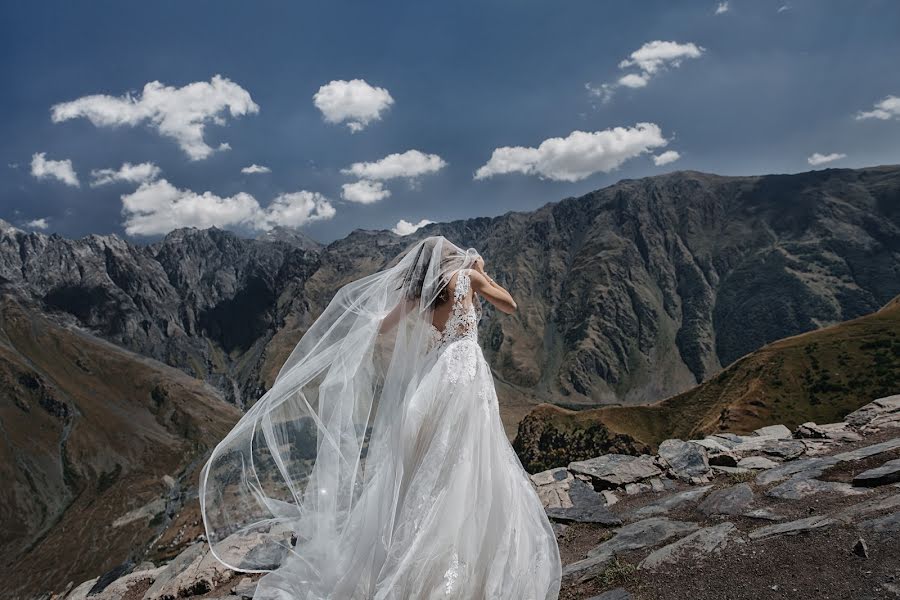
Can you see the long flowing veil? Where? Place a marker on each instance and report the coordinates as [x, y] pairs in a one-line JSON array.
[[287, 480]]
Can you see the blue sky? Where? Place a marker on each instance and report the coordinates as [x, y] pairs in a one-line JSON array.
[[759, 87]]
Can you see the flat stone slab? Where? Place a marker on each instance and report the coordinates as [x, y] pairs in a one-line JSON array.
[[851, 513], [664, 505], [867, 451], [877, 412], [795, 489], [839, 432], [686, 460], [616, 594], [757, 463], [597, 513], [734, 500], [791, 527], [616, 470], [885, 524], [777, 432], [642, 534], [886, 474], [804, 468], [763, 514], [703, 541]]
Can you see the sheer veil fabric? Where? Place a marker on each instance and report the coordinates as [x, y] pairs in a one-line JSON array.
[[377, 466]]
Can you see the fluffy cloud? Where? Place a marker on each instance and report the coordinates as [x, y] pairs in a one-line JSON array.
[[61, 170], [255, 168], [178, 113], [409, 165], [404, 227], [821, 159], [364, 192], [38, 223], [158, 207], [577, 156], [127, 172], [889, 108], [649, 60], [355, 102], [722, 8], [669, 156]]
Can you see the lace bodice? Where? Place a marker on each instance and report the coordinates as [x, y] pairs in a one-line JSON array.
[[463, 320]]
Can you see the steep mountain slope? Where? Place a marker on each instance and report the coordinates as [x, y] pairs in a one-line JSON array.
[[95, 442], [818, 376], [628, 295]]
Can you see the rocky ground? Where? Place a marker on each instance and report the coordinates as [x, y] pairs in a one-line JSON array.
[[776, 514]]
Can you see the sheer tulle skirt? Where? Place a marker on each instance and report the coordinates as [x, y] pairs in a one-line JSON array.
[[455, 516]]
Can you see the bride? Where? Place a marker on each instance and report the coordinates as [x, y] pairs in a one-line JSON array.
[[376, 467]]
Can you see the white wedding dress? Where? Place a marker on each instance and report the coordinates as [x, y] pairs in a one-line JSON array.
[[450, 512]]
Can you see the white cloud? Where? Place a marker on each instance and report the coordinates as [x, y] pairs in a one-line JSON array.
[[255, 168], [649, 60], [404, 227], [364, 192], [783, 8], [821, 159], [127, 172], [38, 223], [62, 170], [669, 156], [577, 156], [354, 101], [178, 113], [722, 8], [158, 207], [889, 108], [409, 165]]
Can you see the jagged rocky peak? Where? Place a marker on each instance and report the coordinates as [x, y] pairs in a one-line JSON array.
[[291, 236]]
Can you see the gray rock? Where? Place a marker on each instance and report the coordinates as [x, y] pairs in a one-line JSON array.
[[734, 500], [867, 451], [763, 514], [616, 470], [778, 432], [587, 567], [596, 513], [757, 463], [887, 473], [860, 548], [839, 432], [81, 591], [791, 527], [245, 589], [202, 575], [632, 489], [616, 594], [795, 489], [703, 541], [642, 534], [851, 513], [805, 468], [729, 470], [176, 566], [120, 587], [887, 523], [878, 412], [686, 460], [668, 503], [785, 449]]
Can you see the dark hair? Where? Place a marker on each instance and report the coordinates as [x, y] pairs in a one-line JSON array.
[[414, 279]]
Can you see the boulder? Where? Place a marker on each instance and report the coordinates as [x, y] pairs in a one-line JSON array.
[[703, 541], [888, 523], [641, 534], [81, 591], [804, 468], [839, 432], [202, 575], [757, 463], [867, 451], [881, 413], [777, 432], [791, 527], [583, 505], [795, 489], [734, 500], [686, 460], [120, 587], [668, 503], [887, 473], [616, 470]]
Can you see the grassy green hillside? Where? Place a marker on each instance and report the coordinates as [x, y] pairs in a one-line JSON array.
[[817, 376]]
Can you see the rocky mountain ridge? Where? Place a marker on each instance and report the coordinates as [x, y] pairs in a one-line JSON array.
[[629, 294], [674, 524]]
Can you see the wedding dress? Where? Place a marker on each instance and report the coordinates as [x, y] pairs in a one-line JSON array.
[[383, 471]]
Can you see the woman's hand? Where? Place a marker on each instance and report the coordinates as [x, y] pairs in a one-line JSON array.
[[479, 265]]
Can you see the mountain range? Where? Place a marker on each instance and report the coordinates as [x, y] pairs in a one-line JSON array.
[[124, 363]]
